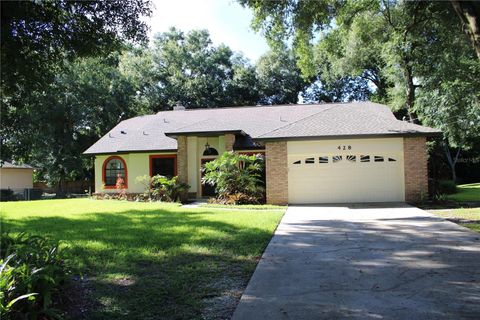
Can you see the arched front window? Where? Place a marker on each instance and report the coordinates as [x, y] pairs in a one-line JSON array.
[[113, 168]]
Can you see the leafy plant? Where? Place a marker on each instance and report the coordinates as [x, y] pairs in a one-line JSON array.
[[440, 198], [7, 195], [237, 178], [162, 188], [31, 276], [169, 189], [447, 186]]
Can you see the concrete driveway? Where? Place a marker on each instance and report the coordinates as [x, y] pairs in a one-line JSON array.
[[376, 262]]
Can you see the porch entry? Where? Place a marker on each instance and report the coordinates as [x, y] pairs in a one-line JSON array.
[[207, 190]]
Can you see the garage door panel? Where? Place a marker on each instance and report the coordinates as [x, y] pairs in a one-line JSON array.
[[347, 179]]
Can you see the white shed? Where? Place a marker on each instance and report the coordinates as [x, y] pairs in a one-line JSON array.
[[16, 177]]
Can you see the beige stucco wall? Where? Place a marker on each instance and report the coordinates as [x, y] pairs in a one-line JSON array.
[[16, 178], [138, 164]]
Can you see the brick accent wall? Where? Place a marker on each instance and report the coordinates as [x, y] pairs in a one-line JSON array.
[[416, 172], [276, 172], [229, 141], [182, 163]]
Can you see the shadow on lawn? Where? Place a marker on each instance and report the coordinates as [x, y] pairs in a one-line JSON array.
[[155, 264]]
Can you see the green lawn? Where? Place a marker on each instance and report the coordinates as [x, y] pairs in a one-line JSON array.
[[150, 260], [472, 214], [462, 213], [466, 192]]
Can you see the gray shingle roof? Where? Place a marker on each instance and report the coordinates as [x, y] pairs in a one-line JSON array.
[[348, 120], [147, 133], [9, 165]]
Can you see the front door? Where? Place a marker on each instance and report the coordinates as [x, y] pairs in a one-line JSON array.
[[207, 190]]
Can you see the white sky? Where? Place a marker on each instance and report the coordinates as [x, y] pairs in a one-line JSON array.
[[226, 20]]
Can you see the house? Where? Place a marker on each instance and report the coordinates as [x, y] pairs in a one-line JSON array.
[[323, 153], [16, 177]]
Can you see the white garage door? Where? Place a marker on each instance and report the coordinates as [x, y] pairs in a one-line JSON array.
[[354, 170]]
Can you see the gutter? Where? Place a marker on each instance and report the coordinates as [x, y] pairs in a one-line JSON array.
[[129, 151], [351, 136]]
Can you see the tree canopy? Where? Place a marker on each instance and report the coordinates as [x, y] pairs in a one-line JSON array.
[[45, 106], [36, 35], [188, 68]]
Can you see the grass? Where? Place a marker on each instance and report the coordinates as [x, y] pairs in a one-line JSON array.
[[470, 214], [466, 192], [472, 226], [151, 260], [462, 213]]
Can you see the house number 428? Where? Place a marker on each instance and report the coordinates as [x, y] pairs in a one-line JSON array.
[[344, 147]]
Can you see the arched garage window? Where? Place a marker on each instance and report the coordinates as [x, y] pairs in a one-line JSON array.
[[113, 168]]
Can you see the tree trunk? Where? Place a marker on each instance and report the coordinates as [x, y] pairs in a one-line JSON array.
[[469, 14], [61, 192], [452, 161], [410, 93]]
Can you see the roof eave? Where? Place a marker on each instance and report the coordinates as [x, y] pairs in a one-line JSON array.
[[130, 151], [352, 136]]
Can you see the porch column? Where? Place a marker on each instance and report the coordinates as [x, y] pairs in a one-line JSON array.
[[416, 171], [229, 141], [182, 159], [276, 172]]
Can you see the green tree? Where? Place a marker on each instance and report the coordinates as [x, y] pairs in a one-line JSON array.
[[243, 88], [190, 69], [280, 79], [342, 90], [449, 95], [39, 42], [187, 67], [85, 100], [37, 36], [384, 40], [469, 14], [353, 52]]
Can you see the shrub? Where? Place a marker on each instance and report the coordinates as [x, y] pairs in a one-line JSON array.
[[169, 189], [162, 188], [447, 187], [31, 276], [36, 194], [440, 198], [7, 195], [236, 177]]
